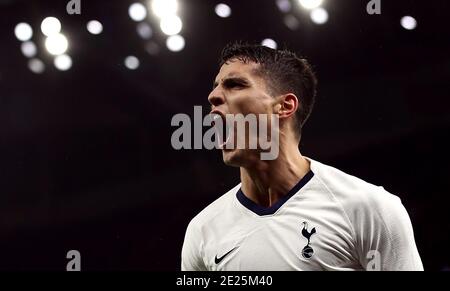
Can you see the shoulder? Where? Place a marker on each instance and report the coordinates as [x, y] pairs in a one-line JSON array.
[[378, 219], [214, 210], [353, 192]]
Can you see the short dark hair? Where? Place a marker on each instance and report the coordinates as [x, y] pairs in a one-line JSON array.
[[283, 71]]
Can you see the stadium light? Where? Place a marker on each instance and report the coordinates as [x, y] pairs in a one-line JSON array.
[[36, 66], [63, 62], [50, 26], [132, 63], [268, 42], [28, 49], [56, 44], [319, 15], [94, 27], [23, 31], [223, 10], [171, 25], [164, 8], [408, 22], [175, 43], [137, 12], [310, 4]]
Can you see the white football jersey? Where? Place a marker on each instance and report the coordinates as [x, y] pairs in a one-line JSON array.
[[329, 221]]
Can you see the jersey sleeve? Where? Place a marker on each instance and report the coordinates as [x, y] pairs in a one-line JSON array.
[[191, 258], [384, 234]]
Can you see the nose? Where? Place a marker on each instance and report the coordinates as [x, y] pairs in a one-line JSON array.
[[215, 98]]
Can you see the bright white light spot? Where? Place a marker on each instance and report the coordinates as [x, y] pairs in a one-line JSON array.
[[408, 22], [175, 43], [56, 44], [310, 4], [152, 48], [50, 26], [137, 12], [36, 66], [171, 25], [291, 22], [164, 8], [94, 27], [131, 62], [223, 10], [28, 49], [319, 15], [284, 5], [63, 62], [268, 42], [23, 31], [144, 30]]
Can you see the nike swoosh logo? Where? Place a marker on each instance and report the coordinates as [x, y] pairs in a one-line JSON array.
[[218, 260]]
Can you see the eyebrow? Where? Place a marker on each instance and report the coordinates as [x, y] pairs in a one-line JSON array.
[[237, 79]]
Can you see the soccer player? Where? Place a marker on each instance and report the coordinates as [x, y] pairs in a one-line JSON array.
[[292, 212]]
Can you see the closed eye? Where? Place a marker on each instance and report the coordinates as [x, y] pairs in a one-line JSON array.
[[235, 83]]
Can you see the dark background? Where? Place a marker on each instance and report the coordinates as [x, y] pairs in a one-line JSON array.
[[85, 156]]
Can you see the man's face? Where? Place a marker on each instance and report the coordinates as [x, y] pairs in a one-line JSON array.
[[238, 89]]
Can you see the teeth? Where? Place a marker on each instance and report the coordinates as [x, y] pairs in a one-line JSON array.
[[219, 127], [223, 131]]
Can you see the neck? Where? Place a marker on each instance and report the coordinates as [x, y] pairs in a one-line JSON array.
[[265, 182]]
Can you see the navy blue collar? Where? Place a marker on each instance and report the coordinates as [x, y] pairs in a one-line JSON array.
[[260, 210]]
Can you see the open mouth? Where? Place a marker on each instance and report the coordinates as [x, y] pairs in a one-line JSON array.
[[223, 132]]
